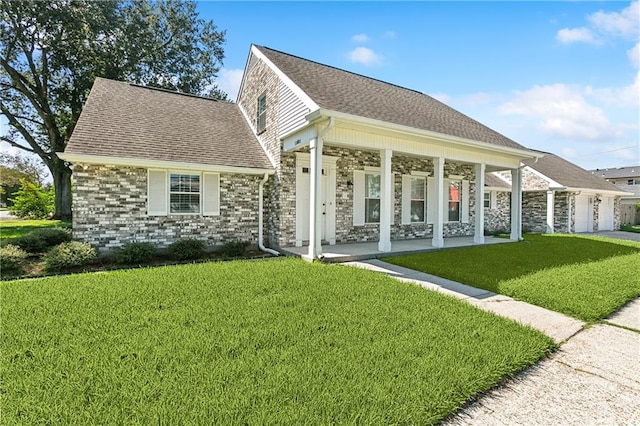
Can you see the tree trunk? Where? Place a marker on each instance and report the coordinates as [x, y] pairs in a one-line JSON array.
[[62, 182]]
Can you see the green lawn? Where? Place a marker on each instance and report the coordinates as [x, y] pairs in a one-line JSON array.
[[258, 342], [585, 277], [16, 228], [630, 228]]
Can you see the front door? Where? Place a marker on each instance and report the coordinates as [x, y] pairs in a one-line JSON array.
[[327, 200]]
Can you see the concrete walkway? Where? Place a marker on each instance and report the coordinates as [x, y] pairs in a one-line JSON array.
[[551, 323], [593, 379], [620, 235]]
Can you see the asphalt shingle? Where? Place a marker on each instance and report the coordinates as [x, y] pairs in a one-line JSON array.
[[129, 121], [347, 92]]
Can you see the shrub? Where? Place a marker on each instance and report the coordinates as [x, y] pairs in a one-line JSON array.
[[69, 254], [185, 249], [41, 240], [234, 248], [33, 201], [11, 258], [135, 253]]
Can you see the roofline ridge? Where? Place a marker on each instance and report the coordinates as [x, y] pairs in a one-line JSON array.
[[347, 71], [173, 92]]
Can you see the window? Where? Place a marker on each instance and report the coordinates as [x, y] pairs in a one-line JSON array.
[[261, 121], [454, 201], [418, 199], [184, 193], [487, 200], [372, 198], [633, 182]]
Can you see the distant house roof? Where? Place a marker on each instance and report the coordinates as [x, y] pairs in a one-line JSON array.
[[619, 172], [128, 121], [493, 181], [568, 174], [346, 92]]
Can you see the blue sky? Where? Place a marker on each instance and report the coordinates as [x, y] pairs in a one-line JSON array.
[[554, 76]]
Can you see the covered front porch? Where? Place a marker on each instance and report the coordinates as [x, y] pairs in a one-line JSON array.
[[349, 252], [357, 180]]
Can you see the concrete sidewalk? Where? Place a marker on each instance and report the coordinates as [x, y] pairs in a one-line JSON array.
[[593, 379], [558, 326]]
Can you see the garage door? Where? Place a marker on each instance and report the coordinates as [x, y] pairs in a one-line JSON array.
[[584, 213], [605, 214]]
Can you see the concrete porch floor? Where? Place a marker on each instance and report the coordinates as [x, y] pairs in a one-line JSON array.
[[349, 252]]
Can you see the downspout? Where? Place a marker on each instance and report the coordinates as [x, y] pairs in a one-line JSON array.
[[260, 219]]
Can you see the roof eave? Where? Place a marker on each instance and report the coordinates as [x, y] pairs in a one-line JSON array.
[[322, 113], [598, 191], [160, 164]]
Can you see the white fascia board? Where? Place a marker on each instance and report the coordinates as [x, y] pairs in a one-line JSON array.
[[299, 138], [322, 113], [160, 164], [309, 103], [552, 183], [598, 191], [497, 188]]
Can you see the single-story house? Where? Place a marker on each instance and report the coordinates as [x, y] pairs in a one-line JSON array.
[[627, 179], [557, 196], [309, 155]]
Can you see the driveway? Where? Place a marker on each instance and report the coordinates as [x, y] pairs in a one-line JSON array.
[[621, 235], [6, 215], [592, 380]]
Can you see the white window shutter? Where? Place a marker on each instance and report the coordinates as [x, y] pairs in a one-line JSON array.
[[493, 199], [211, 194], [358, 198], [432, 200], [157, 193], [406, 199], [464, 202], [445, 200]]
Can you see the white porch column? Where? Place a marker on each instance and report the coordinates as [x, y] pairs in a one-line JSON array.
[[315, 201], [438, 219], [478, 238], [550, 207], [386, 200], [516, 204]]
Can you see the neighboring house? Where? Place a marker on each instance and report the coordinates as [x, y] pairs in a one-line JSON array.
[[557, 196], [628, 179], [346, 158]]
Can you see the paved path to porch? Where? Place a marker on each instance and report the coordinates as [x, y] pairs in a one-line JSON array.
[[592, 379], [348, 252]]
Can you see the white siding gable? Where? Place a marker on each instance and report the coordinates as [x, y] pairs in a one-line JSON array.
[[292, 110]]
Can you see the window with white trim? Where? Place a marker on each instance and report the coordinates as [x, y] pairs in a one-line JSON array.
[[418, 199], [261, 119], [455, 188], [184, 193], [372, 198], [487, 199]]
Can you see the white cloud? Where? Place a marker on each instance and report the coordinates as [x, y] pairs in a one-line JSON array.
[[562, 111], [365, 56], [634, 55], [360, 38], [627, 96], [229, 80], [621, 24], [575, 35], [389, 34]]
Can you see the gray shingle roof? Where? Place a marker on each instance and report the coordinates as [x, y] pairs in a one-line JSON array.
[[568, 174], [128, 121], [618, 172], [494, 181], [343, 91]]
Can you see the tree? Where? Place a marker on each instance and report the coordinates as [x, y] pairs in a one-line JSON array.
[[32, 200], [51, 52], [13, 168]]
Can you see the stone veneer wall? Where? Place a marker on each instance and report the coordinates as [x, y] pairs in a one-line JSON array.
[[110, 209], [617, 213], [350, 160], [534, 212], [499, 219], [261, 79]]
